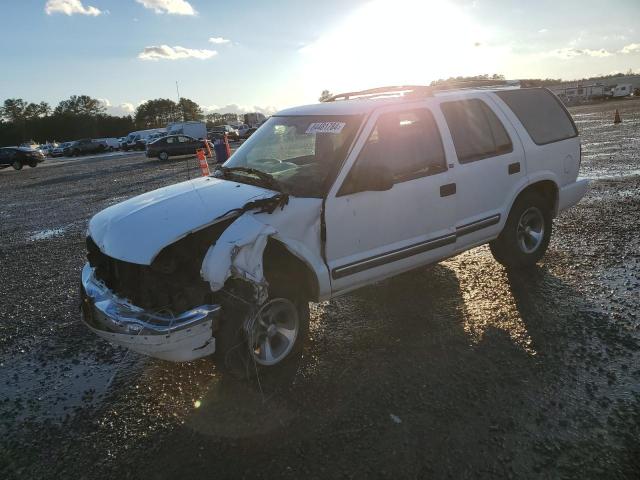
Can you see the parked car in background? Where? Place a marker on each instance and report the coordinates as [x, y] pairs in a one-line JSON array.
[[59, 151], [250, 131], [220, 130], [17, 157], [84, 147], [173, 145], [242, 130], [137, 140], [193, 129], [47, 148], [110, 144]]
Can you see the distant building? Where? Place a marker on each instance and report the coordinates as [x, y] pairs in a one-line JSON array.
[[579, 92], [596, 88]]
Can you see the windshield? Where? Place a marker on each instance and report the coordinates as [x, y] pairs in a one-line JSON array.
[[302, 153]]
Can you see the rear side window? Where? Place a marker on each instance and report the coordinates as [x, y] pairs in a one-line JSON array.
[[476, 131], [541, 114]]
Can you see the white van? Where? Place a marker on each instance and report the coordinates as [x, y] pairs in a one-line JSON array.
[[137, 140], [324, 199]]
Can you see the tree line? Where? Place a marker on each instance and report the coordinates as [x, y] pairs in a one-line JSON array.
[[82, 116]]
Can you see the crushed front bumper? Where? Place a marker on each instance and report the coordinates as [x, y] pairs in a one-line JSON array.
[[180, 338]]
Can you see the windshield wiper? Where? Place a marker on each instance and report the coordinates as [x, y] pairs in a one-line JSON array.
[[265, 178]]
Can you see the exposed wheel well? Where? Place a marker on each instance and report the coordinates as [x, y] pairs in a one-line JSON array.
[[548, 189], [280, 265]]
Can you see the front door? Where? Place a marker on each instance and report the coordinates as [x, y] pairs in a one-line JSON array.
[[375, 234]]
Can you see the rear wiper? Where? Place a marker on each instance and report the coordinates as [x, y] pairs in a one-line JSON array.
[[266, 178]]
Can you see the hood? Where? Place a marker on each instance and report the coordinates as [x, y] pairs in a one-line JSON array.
[[137, 229]]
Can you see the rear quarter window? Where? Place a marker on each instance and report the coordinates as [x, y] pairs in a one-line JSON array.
[[541, 113]]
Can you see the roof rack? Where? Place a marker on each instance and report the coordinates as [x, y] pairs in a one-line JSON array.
[[424, 90]]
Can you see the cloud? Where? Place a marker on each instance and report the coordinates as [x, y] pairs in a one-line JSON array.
[[631, 48], [120, 110], [70, 7], [127, 107], [219, 40], [165, 52], [172, 7], [543, 30], [239, 109], [570, 52]]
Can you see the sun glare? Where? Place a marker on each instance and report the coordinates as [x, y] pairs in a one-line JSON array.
[[400, 42]]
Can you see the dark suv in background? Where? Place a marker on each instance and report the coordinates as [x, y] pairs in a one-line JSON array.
[[17, 157], [173, 145], [84, 146]]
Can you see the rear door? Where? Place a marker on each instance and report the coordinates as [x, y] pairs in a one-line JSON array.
[[186, 145], [375, 234], [489, 165]]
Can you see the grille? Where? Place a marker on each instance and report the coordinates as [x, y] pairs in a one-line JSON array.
[[171, 283]]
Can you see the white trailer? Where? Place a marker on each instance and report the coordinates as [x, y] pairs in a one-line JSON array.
[[621, 90], [195, 129]]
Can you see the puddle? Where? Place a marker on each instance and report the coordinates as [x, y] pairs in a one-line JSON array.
[[46, 234], [43, 387]]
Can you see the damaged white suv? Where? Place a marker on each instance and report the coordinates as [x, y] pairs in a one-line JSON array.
[[321, 200]]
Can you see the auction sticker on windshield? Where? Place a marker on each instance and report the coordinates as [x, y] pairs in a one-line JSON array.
[[326, 127]]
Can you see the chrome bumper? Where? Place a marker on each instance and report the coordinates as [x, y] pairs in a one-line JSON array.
[[180, 338]]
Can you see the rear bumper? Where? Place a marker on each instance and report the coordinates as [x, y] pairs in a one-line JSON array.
[[180, 338], [571, 194]]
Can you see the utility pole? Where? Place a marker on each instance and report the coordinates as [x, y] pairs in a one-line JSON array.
[[179, 106]]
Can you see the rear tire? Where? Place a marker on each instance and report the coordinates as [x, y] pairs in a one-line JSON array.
[[33, 164], [526, 234], [17, 165]]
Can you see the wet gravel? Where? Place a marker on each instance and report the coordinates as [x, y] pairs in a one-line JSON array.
[[460, 370]]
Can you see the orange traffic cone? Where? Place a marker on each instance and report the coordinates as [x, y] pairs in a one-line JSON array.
[[616, 118], [202, 159]]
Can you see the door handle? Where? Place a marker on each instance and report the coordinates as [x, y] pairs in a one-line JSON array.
[[448, 189], [514, 168]]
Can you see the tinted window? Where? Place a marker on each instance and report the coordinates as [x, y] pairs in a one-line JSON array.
[[476, 131], [408, 143], [541, 114]]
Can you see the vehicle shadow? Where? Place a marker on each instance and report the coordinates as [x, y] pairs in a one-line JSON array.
[[425, 374], [460, 370]]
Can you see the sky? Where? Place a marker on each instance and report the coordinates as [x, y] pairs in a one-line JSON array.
[[238, 56]]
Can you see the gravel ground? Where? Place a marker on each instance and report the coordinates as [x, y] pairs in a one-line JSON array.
[[461, 370]]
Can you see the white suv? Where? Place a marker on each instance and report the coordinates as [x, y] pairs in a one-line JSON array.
[[321, 200]]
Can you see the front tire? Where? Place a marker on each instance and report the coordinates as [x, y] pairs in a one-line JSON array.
[[164, 156], [17, 165], [526, 234], [264, 341]]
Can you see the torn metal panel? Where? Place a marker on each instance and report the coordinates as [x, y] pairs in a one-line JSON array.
[[238, 253]]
